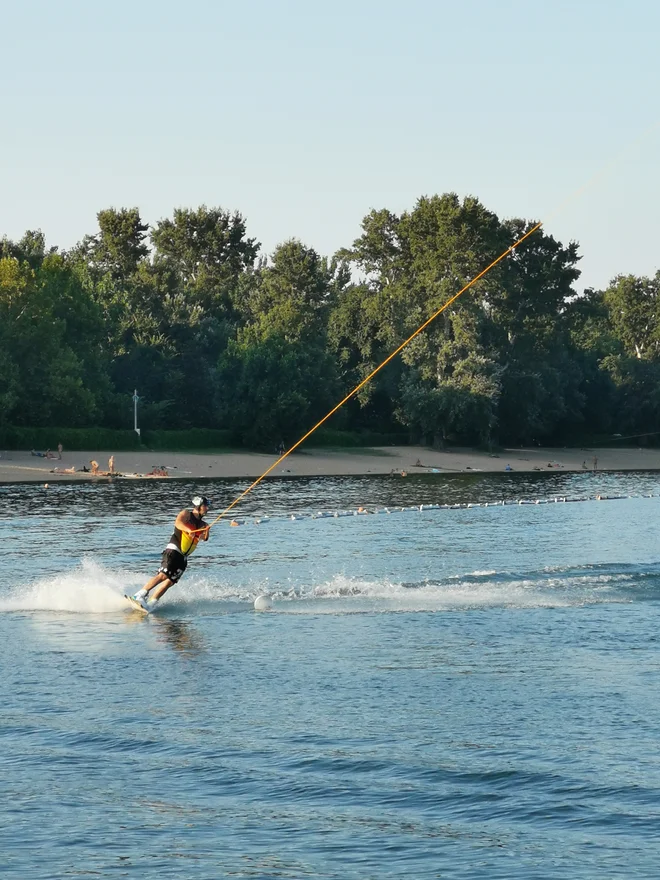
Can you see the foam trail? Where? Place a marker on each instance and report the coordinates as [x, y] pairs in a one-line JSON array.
[[92, 589], [199, 595], [538, 589], [345, 595], [342, 594], [88, 589]]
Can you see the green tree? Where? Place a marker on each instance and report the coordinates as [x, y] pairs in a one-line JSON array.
[[113, 268], [83, 331], [213, 335], [10, 385], [119, 246], [636, 397], [360, 339], [465, 407], [412, 265], [31, 248], [44, 368], [633, 306], [292, 293], [468, 364], [543, 391], [276, 377], [270, 389], [207, 250]]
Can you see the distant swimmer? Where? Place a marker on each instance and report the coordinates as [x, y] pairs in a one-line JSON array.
[[189, 530]]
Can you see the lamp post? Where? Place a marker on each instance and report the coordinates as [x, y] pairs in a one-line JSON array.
[[135, 403]]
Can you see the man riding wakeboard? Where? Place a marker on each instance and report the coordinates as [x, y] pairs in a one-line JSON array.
[[189, 530]]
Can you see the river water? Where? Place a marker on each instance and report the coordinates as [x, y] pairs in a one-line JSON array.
[[465, 693]]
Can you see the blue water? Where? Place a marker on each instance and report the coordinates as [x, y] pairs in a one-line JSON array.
[[437, 694]]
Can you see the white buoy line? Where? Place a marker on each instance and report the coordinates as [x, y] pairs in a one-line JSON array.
[[420, 508]]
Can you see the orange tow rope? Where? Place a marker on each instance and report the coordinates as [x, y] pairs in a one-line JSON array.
[[406, 342]]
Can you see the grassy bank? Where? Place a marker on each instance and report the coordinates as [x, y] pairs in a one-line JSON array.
[[190, 440]]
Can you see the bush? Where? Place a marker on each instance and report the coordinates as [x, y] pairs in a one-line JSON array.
[[72, 439], [109, 440], [190, 439], [328, 437]]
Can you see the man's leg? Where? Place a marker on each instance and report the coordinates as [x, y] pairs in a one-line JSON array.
[[142, 595], [155, 580], [162, 589], [172, 567]]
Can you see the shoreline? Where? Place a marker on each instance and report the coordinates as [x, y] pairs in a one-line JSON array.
[[21, 467]]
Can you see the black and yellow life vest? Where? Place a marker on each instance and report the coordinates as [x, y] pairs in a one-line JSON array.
[[182, 541]]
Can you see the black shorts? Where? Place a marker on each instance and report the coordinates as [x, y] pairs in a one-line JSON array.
[[173, 564]]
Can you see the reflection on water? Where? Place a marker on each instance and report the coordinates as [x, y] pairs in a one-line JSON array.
[[97, 634], [75, 633], [180, 635]]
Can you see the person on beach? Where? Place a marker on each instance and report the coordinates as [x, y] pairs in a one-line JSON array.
[[60, 450], [158, 471], [95, 467], [111, 464], [189, 530]]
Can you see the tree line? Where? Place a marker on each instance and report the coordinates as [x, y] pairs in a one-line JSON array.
[[216, 334]]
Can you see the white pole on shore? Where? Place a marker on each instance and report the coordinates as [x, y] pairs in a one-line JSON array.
[[135, 403]]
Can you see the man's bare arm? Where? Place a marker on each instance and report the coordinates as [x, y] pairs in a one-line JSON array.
[[185, 524]]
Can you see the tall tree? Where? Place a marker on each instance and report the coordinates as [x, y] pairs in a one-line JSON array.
[[207, 249], [292, 293], [119, 245], [412, 265], [47, 378], [277, 376], [633, 306], [477, 352], [271, 389]]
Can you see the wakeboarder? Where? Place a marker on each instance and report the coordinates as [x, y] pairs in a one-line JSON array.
[[189, 530]]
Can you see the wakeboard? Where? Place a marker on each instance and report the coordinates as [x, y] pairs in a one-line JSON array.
[[135, 605]]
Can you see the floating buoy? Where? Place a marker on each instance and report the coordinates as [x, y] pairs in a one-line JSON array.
[[263, 603], [560, 499]]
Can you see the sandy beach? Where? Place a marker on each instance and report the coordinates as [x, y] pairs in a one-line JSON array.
[[22, 466]]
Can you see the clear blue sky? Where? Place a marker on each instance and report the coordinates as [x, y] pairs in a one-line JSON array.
[[305, 115]]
